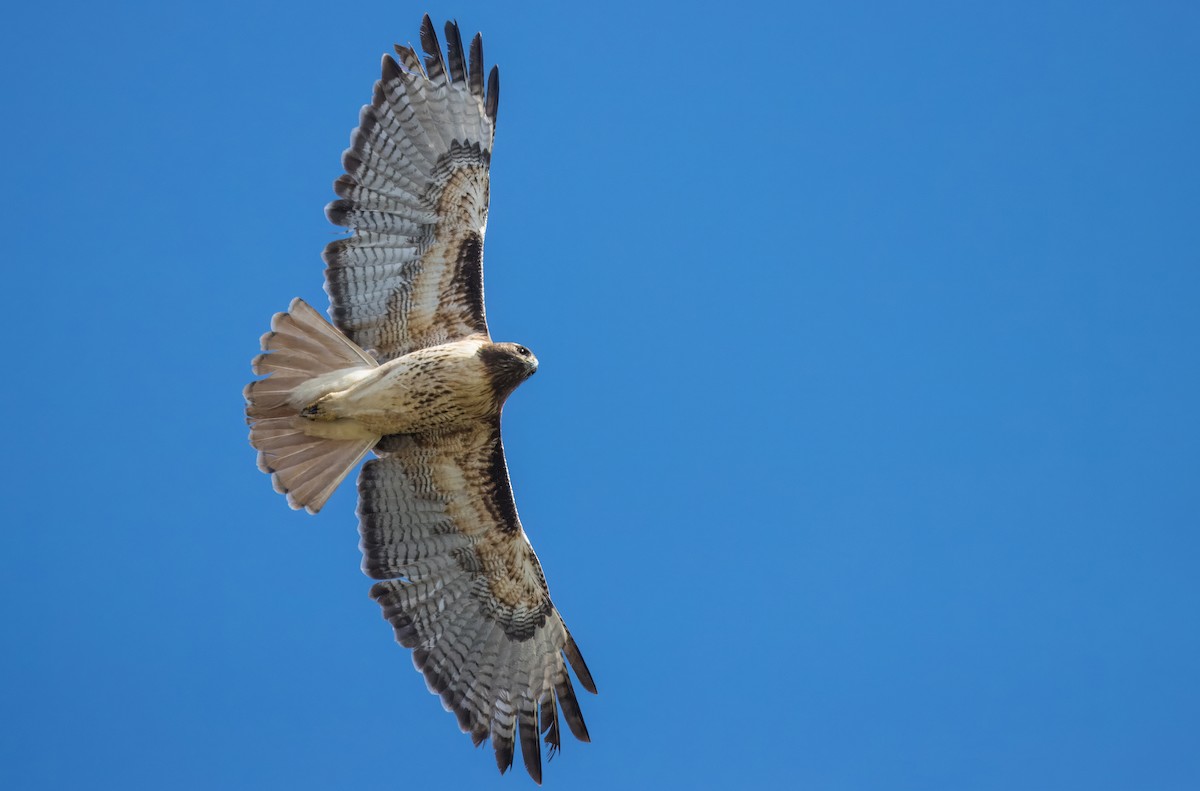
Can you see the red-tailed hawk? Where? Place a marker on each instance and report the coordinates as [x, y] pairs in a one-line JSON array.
[[408, 371]]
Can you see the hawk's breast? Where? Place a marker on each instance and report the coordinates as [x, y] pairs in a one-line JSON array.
[[430, 389]]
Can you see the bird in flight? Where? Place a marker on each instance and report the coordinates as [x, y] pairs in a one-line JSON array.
[[408, 372]]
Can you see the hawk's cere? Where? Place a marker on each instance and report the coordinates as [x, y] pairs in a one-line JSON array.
[[408, 371]]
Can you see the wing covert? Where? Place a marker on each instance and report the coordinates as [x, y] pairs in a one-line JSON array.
[[415, 196], [462, 587]]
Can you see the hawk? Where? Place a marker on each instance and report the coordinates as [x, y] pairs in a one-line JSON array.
[[407, 371]]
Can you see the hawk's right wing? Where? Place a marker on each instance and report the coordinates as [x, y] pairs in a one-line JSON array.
[[462, 587], [415, 196]]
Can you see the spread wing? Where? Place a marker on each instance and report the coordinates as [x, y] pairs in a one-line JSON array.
[[462, 587], [415, 196]]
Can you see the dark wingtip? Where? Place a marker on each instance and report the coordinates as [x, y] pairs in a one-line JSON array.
[[388, 68], [548, 713], [578, 665], [531, 746], [337, 211], [492, 103], [434, 66], [351, 161], [569, 707], [504, 753], [454, 47], [475, 66], [332, 254]]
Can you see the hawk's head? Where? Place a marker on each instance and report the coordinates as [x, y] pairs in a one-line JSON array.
[[508, 364]]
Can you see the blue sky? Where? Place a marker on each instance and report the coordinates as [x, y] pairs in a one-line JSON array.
[[864, 452]]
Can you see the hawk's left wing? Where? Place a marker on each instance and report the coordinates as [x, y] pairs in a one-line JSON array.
[[463, 589], [415, 195]]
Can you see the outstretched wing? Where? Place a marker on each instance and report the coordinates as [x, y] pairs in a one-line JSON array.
[[463, 589], [415, 196]]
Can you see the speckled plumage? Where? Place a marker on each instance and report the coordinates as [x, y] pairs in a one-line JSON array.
[[408, 371]]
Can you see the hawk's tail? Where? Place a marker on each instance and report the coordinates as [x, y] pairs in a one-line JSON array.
[[305, 357]]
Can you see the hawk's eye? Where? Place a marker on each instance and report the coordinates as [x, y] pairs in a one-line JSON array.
[[521, 350]]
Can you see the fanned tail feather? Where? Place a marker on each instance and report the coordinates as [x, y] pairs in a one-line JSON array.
[[301, 347]]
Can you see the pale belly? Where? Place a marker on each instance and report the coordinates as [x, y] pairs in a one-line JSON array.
[[429, 389]]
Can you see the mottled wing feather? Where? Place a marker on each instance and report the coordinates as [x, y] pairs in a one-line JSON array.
[[415, 196], [463, 588]]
